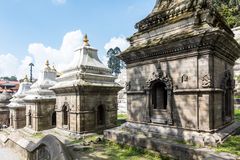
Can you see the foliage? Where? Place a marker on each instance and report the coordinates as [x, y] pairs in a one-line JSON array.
[[237, 115], [231, 145], [38, 135], [122, 116], [12, 78], [122, 152], [115, 63], [230, 10]]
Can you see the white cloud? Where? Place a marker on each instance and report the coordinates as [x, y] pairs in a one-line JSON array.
[[120, 42], [59, 1], [38, 54], [59, 57], [9, 64], [23, 68]]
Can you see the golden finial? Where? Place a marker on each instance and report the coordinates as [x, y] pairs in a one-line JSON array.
[[85, 40], [47, 65], [25, 79], [54, 69]]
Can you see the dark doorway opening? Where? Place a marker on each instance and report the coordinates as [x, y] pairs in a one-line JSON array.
[[30, 119], [100, 115], [159, 96], [65, 115], [228, 99], [54, 119]]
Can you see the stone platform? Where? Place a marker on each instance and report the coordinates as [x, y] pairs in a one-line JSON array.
[[149, 137]]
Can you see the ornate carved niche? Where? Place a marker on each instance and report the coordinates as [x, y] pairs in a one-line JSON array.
[[228, 82], [207, 81], [159, 91], [184, 78], [228, 85], [128, 86]]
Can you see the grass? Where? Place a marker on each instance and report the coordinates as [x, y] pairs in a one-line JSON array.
[[237, 96], [110, 150], [122, 116], [121, 119], [38, 135], [120, 152], [237, 115], [232, 144], [113, 151]]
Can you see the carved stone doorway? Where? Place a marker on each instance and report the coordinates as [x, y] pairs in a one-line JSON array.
[[54, 119], [100, 115], [65, 115]]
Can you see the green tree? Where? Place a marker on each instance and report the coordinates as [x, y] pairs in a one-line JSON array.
[[230, 10], [115, 63], [12, 78]]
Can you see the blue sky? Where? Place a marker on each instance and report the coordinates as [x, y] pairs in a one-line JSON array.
[[46, 22]]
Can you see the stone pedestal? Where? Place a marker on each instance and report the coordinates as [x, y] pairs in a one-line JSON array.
[[180, 70]]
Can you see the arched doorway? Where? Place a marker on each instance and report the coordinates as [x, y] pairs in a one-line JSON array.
[[228, 98], [30, 119], [54, 119], [228, 87], [100, 115], [159, 96], [65, 115]]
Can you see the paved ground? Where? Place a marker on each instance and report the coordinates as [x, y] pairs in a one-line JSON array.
[[7, 154]]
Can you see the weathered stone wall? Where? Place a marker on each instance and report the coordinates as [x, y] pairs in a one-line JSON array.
[[41, 113], [82, 110], [17, 117], [4, 117], [22, 152], [194, 106]]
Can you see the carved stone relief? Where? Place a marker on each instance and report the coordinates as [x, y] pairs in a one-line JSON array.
[[206, 81], [184, 78]]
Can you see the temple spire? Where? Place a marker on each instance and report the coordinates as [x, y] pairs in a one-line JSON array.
[[25, 79], [47, 65], [85, 40]]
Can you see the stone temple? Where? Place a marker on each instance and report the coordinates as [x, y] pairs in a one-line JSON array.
[[4, 110], [180, 75], [86, 94], [40, 101], [17, 106]]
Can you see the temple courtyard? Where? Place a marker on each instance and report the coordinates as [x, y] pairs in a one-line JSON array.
[[94, 147], [181, 95]]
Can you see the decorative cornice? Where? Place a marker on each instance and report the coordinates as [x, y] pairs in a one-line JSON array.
[[218, 40]]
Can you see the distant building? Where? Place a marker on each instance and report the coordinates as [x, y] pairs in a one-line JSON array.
[[9, 86]]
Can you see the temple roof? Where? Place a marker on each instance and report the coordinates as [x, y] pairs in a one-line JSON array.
[[40, 89], [86, 69], [17, 100], [171, 11]]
